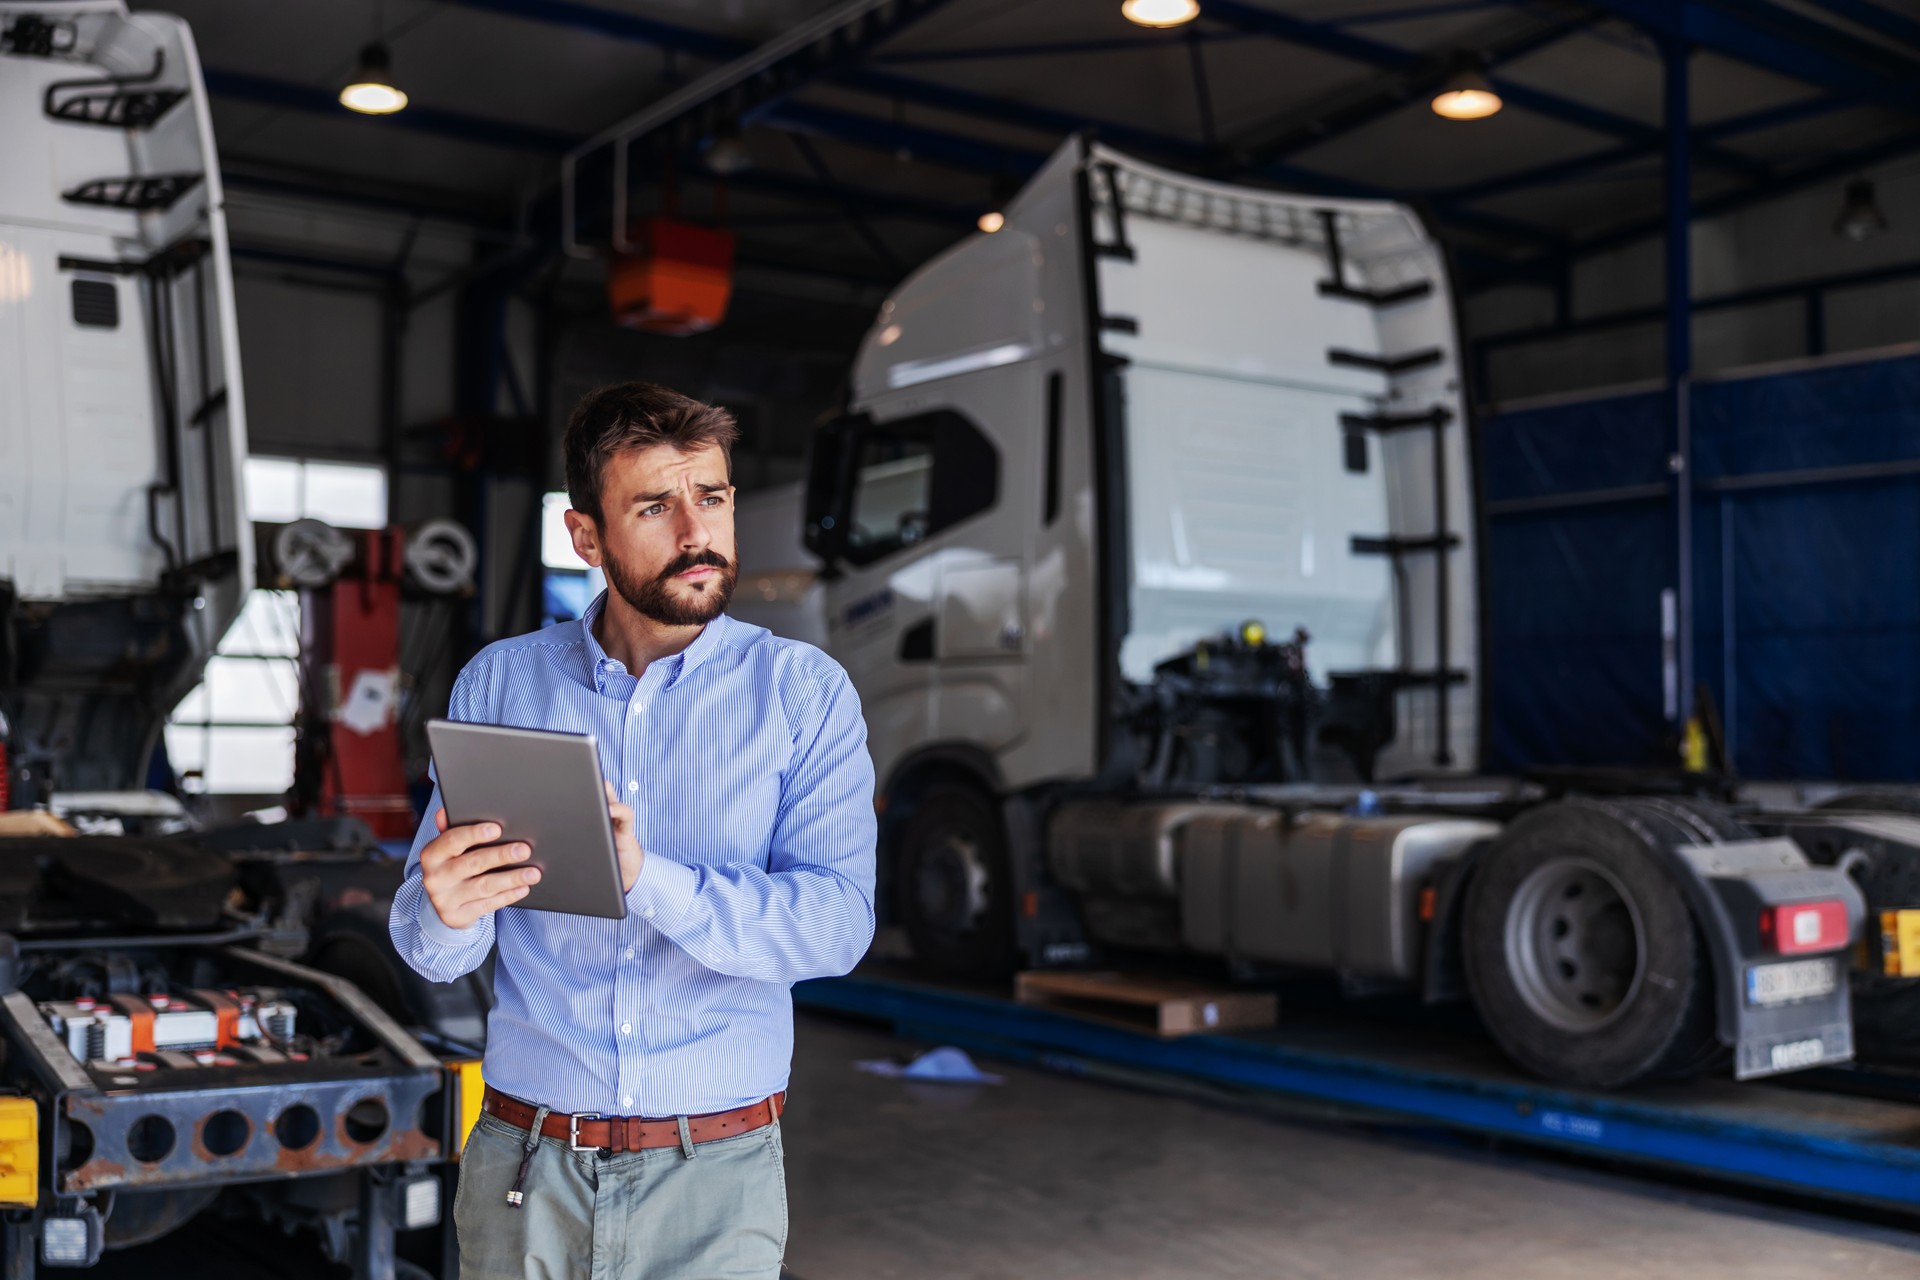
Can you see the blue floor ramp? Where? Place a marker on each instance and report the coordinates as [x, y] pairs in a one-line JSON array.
[[1820, 1144]]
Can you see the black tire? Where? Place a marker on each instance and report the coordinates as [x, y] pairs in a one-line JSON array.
[[353, 943], [1581, 954], [955, 884]]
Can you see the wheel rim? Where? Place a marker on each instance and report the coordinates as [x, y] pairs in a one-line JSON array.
[[952, 887], [1575, 944]]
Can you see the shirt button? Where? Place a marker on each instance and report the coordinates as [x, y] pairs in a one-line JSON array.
[[626, 1028], [629, 953], [648, 913], [632, 785], [627, 1101]]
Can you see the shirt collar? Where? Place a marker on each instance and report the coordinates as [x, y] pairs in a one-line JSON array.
[[677, 666]]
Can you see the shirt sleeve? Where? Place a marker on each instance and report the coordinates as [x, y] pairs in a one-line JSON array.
[[435, 949], [809, 914]]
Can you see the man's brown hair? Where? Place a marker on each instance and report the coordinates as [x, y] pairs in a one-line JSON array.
[[637, 415]]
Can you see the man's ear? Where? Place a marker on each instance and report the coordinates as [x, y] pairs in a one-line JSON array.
[[585, 533]]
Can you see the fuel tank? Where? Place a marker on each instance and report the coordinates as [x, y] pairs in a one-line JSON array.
[[1318, 891]]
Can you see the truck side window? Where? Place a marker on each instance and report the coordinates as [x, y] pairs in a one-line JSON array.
[[914, 477]]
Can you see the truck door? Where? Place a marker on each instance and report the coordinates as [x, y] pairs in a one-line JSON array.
[[929, 605]]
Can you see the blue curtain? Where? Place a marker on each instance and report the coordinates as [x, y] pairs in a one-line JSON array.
[[1806, 592]]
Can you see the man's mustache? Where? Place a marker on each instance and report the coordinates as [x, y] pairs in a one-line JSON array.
[[695, 560]]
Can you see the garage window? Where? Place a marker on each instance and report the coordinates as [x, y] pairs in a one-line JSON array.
[[916, 476], [567, 585], [233, 735], [347, 495]]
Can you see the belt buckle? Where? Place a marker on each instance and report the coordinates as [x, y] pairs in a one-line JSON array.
[[573, 1129]]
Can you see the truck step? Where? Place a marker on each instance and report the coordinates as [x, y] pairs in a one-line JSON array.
[[1377, 297], [1438, 416], [1389, 546], [1386, 364], [113, 102], [1163, 1006], [141, 194], [111, 107]]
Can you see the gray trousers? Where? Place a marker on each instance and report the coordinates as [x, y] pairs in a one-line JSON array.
[[640, 1215]]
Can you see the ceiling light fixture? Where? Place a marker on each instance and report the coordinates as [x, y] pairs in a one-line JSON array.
[[372, 92], [726, 152], [1159, 13], [1860, 214], [1467, 93], [1005, 188]]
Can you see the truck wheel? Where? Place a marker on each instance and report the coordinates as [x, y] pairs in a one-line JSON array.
[[956, 895], [353, 943], [1581, 954]]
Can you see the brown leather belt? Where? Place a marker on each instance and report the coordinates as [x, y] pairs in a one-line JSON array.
[[587, 1131]]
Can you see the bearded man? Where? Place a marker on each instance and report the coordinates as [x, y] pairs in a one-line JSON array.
[[636, 1068]]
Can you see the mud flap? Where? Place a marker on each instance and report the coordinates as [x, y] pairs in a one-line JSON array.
[[1778, 1013]]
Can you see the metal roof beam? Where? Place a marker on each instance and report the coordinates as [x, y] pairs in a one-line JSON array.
[[964, 102], [974, 156], [993, 159], [621, 25], [1048, 49], [1877, 17], [1314, 35], [450, 124], [1846, 164], [822, 45], [268, 92], [1547, 175], [1764, 35], [1843, 165], [1349, 109], [1712, 302]]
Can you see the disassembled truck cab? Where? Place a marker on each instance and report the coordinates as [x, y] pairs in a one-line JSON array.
[[182, 1014], [1084, 461]]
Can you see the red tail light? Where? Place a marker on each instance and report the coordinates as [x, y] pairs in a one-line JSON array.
[[1798, 927]]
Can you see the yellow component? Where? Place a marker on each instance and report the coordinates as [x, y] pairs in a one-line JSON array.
[[1900, 942], [1694, 750], [19, 1153], [1254, 633], [468, 1088]]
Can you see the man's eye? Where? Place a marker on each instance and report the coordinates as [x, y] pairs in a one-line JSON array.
[[655, 509], [712, 500]]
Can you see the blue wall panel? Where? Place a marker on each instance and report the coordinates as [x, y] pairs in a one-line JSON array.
[[1807, 595]]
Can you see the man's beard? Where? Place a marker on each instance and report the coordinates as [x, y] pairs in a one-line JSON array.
[[655, 600]]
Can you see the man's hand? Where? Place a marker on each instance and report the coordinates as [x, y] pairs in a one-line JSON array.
[[625, 842], [464, 883]]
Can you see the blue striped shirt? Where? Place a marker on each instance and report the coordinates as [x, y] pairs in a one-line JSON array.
[[744, 758]]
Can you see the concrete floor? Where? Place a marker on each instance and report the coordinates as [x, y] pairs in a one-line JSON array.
[[1045, 1176]]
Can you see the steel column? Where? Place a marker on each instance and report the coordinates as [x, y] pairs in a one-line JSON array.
[[1674, 55]]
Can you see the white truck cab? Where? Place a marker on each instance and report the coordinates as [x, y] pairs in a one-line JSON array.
[[124, 547], [1146, 411]]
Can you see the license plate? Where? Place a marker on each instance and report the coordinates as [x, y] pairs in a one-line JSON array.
[[1770, 984]]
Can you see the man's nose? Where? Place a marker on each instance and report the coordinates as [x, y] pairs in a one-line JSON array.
[[692, 533]]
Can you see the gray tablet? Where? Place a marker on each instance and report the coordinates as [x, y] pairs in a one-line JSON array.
[[544, 789]]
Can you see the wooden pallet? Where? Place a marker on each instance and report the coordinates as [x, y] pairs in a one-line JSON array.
[[1164, 1006]]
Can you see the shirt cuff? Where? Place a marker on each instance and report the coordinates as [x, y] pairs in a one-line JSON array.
[[440, 932], [663, 891]]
